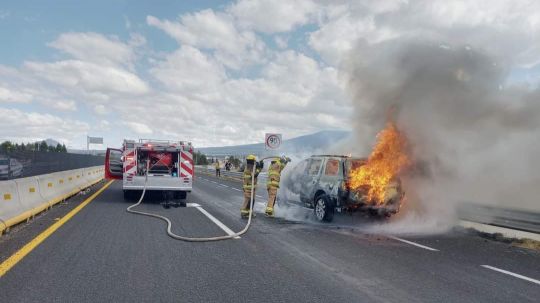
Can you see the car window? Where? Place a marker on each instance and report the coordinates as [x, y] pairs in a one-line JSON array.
[[353, 164], [332, 167], [299, 169], [314, 167]]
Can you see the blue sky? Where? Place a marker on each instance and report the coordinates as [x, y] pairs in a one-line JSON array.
[[219, 72]]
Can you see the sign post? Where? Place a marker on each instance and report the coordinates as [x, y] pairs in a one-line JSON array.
[[272, 141]]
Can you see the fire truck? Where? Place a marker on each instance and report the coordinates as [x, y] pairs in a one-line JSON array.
[[170, 167]]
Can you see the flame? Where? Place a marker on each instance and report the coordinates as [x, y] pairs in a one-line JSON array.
[[388, 158]]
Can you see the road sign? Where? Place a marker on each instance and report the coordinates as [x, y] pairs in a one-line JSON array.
[[272, 141], [95, 140]]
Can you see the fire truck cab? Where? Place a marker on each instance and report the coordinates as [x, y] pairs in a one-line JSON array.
[[170, 166]]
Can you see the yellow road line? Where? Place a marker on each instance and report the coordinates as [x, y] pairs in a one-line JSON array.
[[26, 249]]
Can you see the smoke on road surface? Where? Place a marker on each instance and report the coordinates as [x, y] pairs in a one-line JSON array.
[[474, 136]]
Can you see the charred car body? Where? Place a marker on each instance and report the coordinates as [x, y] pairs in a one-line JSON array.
[[321, 183]]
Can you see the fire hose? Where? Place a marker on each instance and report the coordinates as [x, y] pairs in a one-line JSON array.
[[189, 239]]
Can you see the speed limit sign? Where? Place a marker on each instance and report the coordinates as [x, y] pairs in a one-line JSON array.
[[272, 141]]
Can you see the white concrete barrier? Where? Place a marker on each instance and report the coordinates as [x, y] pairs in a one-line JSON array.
[[11, 210], [23, 198], [79, 178], [30, 198], [48, 187]]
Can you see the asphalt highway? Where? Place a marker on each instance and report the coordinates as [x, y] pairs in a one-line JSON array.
[[104, 254]]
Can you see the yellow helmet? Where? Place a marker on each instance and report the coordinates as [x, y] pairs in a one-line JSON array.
[[251, 157]]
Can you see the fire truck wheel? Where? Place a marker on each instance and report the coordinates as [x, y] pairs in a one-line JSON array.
[[180, 195], [324, 209], [128, 195]]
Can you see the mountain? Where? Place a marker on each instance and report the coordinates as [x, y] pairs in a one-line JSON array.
[[302, 144], [52, 142]]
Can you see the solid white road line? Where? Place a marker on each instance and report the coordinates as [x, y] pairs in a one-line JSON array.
[[224, 185], [413, 243], [258, 196], [192, 205], [511, 274], [236, 189], [214, 182], [217, 222]]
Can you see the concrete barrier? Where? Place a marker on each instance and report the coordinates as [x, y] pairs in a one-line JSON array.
[[23, 198], [48, 187], [11, 210], [30, 198]]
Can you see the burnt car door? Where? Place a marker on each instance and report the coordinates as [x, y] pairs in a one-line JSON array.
[[310, 180], [292, 182], [331, 177]]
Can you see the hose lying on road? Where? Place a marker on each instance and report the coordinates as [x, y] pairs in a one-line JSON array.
[[188, 239]]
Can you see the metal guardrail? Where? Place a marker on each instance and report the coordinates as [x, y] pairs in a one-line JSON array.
[[509, 218]]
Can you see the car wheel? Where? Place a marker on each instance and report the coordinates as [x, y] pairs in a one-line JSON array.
[[324, 209]]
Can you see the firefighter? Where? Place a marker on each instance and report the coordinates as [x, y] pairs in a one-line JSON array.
[[272, 183], [247, 185], [218, 168]]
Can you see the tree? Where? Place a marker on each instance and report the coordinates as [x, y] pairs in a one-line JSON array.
[[43, 146], [6, 146], [36, 146], [51, 149], [200, 158], [58, 148], [64, 149]]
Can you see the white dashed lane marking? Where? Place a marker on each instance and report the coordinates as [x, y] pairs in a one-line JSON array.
[[413, 243], [511, 274]]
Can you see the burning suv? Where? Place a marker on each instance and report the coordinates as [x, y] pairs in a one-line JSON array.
[[322, 182]]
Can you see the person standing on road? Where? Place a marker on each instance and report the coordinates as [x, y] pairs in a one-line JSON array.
[[248, 186], [272, 182], [218, 168]]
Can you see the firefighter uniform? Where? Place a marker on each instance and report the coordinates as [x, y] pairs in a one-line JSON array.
[[272, 183], [247, 184], [218, 168]]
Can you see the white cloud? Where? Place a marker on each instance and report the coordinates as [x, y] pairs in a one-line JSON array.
[[482, 24], [62, 105], [103, 125], [89, 76], [100, 109], [9, 95], [281, 42], [139, 128], [32, 126], [273, 16], [188, 70], [94, 47], [216, 31]]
